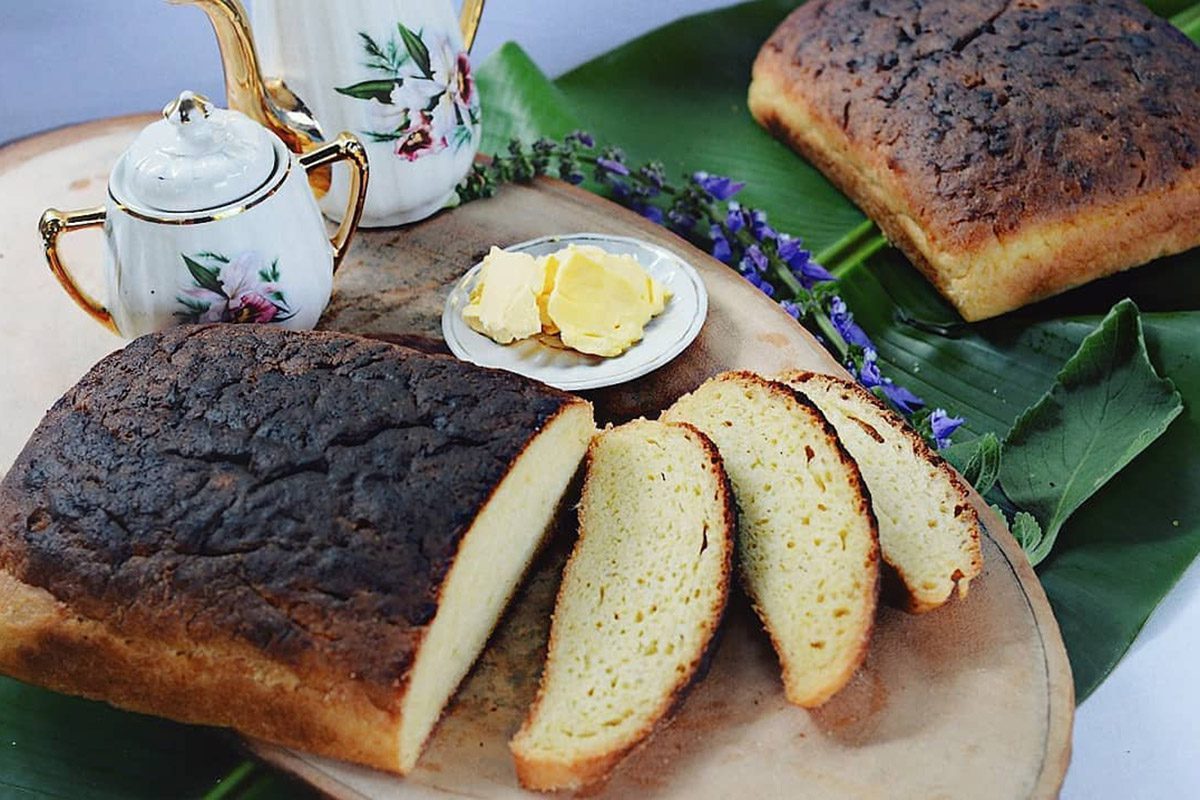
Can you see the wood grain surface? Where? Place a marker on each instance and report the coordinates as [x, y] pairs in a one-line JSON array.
[[972, 700]]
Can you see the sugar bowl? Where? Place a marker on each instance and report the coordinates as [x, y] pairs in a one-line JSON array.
[[210, 218]]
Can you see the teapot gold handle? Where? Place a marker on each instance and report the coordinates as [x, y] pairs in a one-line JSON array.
[[55, 223], [468, 20], [346, 147]]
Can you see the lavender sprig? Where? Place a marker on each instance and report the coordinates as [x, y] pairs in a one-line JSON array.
[[703, 211]]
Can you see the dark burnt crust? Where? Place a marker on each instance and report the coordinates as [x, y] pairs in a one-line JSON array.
[[595, 772], [304, 493], [922, 449], [999, 113]]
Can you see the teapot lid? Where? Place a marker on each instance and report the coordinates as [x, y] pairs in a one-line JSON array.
[[198, 157]]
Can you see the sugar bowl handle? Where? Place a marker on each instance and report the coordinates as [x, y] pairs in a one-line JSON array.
[[54, 223], [346, 147]]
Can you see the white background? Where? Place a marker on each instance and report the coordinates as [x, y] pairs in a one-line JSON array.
[[64, 61]]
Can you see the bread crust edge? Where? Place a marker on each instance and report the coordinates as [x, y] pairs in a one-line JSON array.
[[915, 601], [589, 774], [44, 642], [817, 699]]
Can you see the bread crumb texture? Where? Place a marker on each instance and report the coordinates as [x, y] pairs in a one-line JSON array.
[[807, 540], [928, 529], [640, 602]]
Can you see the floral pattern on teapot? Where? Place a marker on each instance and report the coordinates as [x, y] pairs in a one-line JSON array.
[[242, 289], [422, 98]]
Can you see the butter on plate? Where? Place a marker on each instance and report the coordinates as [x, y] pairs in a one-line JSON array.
[[595, 301], [504, 303]]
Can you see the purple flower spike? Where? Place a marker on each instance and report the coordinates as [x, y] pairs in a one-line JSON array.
[[735, 220], [758, 225], [843, 321], [611, 166], [791, 247], [810, 272], [759, 283], [800, 262], [721, 250], [584, 138], [902, 398], [791, 308], [716, 186], [943, 427], [869, 375], [754, 262], [681, 223], [652, 213]]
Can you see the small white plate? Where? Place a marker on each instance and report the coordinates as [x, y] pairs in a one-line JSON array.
[[667, 335]]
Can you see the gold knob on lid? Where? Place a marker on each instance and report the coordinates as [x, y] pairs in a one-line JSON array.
[[186, 107]]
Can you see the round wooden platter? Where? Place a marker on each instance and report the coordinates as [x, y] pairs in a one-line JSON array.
[[974, 699]]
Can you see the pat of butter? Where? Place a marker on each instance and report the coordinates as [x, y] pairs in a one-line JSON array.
[[550, 274], [596, 302], [601, 302], [504, 304]]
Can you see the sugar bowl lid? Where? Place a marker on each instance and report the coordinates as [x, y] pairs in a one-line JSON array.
[[198, 157]]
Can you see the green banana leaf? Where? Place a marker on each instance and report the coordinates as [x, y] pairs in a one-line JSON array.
[[678, 96]]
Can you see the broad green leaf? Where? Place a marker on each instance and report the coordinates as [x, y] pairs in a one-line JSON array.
[[416, 49], [977, 460], [1119, 554], [1169, 8], [52, 745], [205, 277], [1106, 406], [380, 90], [519, 101], [1188, 21]]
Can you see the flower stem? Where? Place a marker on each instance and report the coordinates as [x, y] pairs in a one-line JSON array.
[[859, 244], [233, 781]]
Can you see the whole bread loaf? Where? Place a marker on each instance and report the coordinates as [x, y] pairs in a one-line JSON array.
[[1012, 150], [305, 536]]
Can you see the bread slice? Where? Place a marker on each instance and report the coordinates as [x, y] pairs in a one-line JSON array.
[[928, 529], [808, 547], [307, 537], [640, 602], [1011, 150]]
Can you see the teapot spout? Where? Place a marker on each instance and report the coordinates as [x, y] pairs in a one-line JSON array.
[[268, 102]]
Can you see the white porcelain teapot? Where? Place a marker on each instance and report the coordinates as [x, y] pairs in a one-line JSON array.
[[395, 72], [210, 218]]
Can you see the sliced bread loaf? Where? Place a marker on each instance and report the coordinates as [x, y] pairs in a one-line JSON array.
[[807, 541], [640, 602], [305, 536], [928, 529]]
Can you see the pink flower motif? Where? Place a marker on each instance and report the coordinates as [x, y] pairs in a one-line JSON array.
[[241, 290], [464, 90], [421, 139], [251, 307]]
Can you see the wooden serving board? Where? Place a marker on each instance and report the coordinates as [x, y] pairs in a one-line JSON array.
[[974, 699]]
